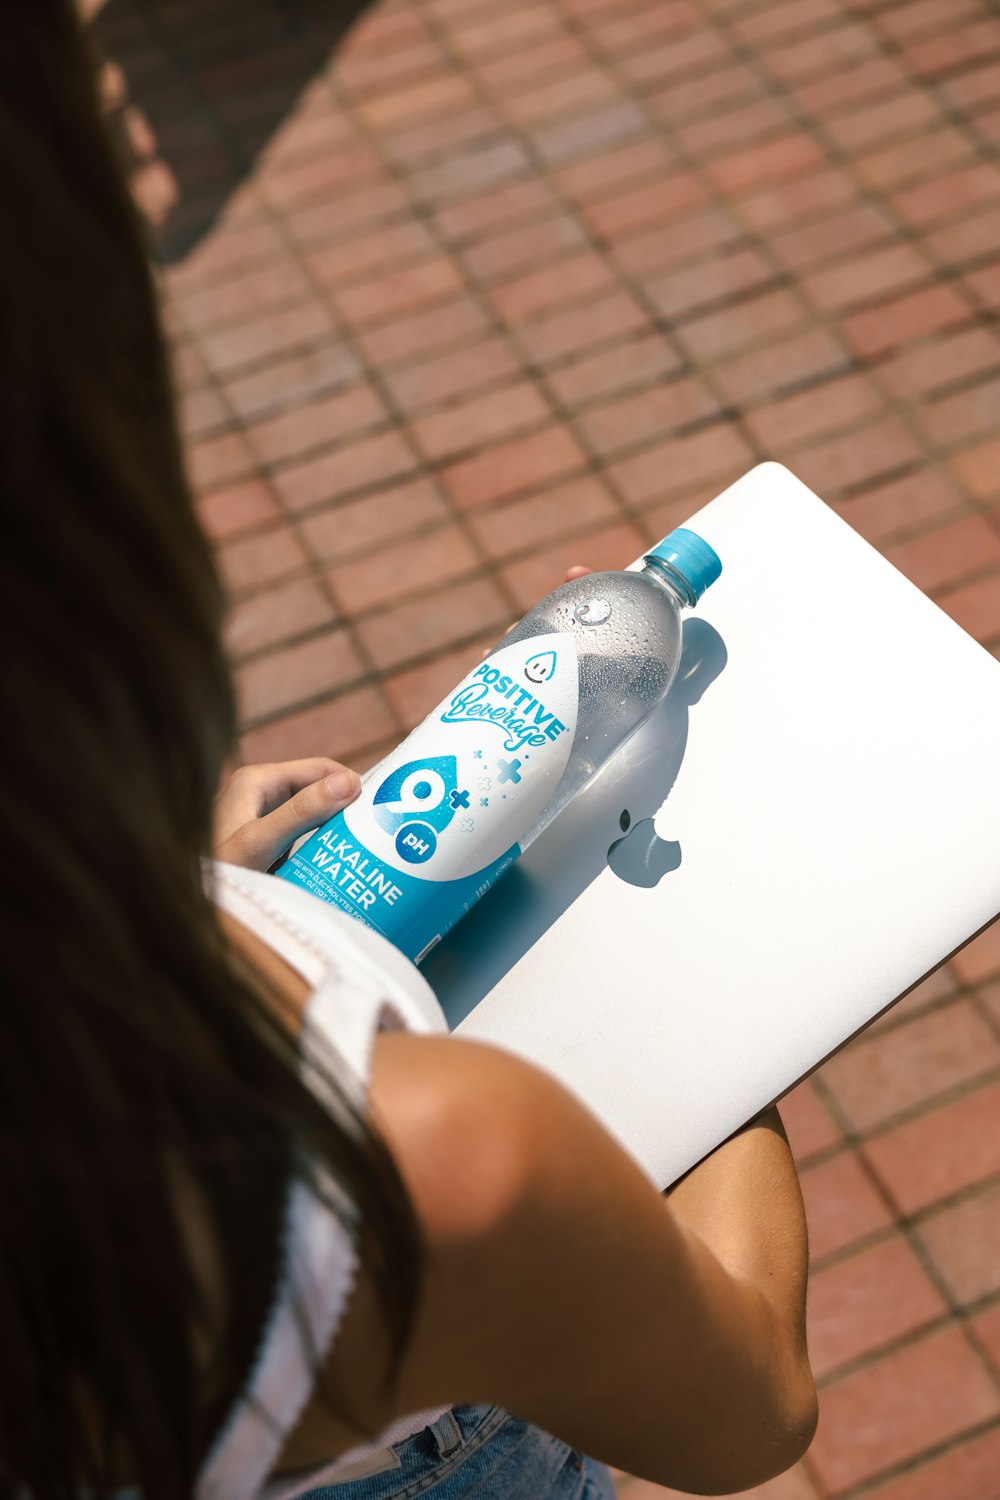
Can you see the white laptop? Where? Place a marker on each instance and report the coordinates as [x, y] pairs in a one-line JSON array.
[[805, 828]]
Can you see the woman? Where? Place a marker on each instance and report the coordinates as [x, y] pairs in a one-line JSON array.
[[266, 1227]]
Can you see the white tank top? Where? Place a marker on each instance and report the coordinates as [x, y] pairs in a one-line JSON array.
[[360, 985]]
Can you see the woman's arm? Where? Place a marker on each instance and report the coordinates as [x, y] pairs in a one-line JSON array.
[[664, 1336]]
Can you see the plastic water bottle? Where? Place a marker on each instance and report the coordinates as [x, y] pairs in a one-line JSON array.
[[441, 818]]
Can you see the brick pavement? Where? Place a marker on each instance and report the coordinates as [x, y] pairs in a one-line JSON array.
[[490, 290]]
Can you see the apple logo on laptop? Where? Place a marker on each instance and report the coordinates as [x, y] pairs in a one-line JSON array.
[[642, 858]]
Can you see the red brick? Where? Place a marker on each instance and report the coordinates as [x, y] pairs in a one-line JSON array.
[[661, 410], [365, 72], [415, 691], [563, 281], [774, 161], [780, 366], [975, 89], [979, 959], [674, 243], [952, 194], [979, 469], [419, 387], [355, 527], [678, 59], [608, 170], [871, 452], [808, 1123], [696, 96], [327, 174], [513, 466], [380, 251], [853, 228], [585, 134], [976, 607], [794, 1484], [939, 1154], [653, 202], [354, 466], [472, 170], [261, 558], [903, 320], [948, 555], [238, 508], [893, 167], [340, 728], [318, 223], [785, 203], [714, 280], [523, 246], [505, 31], [577, 88], [624, 34], [406, 567], [284, 678], [776, 21], [837, 90], [402, 291], [530, 578], [509, 76], [215, 460], [988, 1000], [917, 371], [318, 424], [881, 1076], [634, 363], [487, 212], [274, 285], [421, 627], [899, 115], [422, 333], [812, 412], [523, 525], [286, 381], [865, 277], [922, 17], [201, 413], [962, 1243], [902, 505], [262, 339], [565, 333], [432, 96], [716, 452], [899, 1407], [216, 256], [429, 141], [947, 52], [965, 1472], [820, 53], [861, 1304], [468, 425], [734, 127], [986, 1330], [750, 322], [985, 285], [842, 1205], [276, 615]]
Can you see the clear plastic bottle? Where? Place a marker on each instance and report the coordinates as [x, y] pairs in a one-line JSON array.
[[442, 817]]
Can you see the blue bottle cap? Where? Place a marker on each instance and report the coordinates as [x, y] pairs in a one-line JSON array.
[[690, 556]]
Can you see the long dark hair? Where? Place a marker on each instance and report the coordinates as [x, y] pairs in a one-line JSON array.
[[135, 1050]]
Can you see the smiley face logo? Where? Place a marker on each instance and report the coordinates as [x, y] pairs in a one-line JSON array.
[[540, 668]]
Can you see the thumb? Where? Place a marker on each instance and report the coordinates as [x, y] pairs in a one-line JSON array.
[[259, 843]]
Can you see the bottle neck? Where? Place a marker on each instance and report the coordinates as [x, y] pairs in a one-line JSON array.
[[673, 582]]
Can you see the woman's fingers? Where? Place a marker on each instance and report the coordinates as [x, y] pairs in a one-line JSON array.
[[263, 808]]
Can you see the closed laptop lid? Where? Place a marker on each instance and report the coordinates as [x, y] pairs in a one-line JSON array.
[[805, 828]]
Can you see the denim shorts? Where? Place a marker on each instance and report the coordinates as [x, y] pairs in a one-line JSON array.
[[476, 1453]]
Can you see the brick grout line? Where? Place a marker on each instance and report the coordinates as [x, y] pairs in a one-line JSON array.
[[918, 1460]]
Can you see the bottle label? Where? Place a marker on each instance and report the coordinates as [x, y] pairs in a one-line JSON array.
[[440, 819]]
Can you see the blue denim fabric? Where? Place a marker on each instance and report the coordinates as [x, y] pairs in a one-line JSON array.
[[475, 1453]]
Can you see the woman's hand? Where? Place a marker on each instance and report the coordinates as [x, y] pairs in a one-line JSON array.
[[262, 810]]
